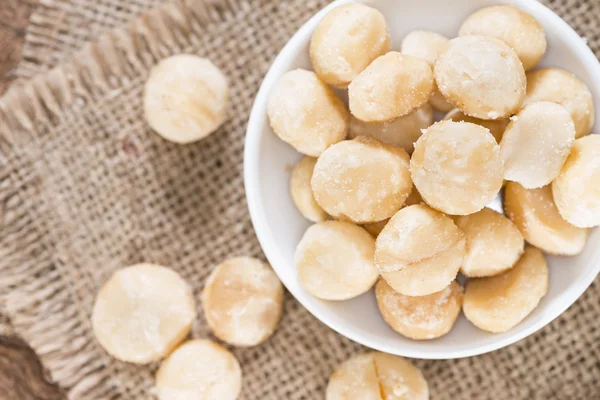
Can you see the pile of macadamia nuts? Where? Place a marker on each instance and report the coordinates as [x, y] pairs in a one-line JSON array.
[[399, 201]]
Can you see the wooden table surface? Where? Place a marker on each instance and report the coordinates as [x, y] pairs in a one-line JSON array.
[[21, 374]]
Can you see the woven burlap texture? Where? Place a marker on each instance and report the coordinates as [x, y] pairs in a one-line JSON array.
[[86, 187]]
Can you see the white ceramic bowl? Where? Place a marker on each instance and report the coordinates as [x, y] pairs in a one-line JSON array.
[[280, 226]]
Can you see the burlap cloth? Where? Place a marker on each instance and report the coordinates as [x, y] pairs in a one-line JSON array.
[[86, 188]]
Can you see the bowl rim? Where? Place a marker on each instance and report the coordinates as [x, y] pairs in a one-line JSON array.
[[267, 241]]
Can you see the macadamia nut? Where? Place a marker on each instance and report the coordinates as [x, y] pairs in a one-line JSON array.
[[142, 313], [494, 243], [375, 228], [185, 98], [363, 180], [243, 301], [420, 317], [199, 369], [420, 251], [307, 114], [514, 27], [481, 76], [495, 126], [457, 167], [576, 190], [334, 260], [562, 87], [498, 303], [302, 193], [536, 144], [346, 40], [376, 376], [390, 87], [533, 211]]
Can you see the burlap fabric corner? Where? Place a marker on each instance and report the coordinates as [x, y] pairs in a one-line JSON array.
[[86, 188]]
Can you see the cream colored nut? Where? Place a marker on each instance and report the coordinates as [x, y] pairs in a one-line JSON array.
[[419, 251], [428, 46], [375, 228], [536, 143], [243, 301], [494, 243], [533, 211], [346, 41], [481, 76], [421, 317], [576, 190], [390, 87], [457, 167], [363, 180], [402, 132], [562, 87], [199, 369], [496, 127], [334, 260], [302, 193], [377, 376], [307, 114], [514, 27], [185, 98], [498, 303], [142, 313]]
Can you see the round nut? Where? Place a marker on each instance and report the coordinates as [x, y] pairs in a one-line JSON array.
[[495, 126], [536, 144], [243, 301], [481, 76], [334, 260], [514, 27], [420, 251], [533, 211], [301, 191], [307, 114], [362, 180], [185, 98], [575, 189], [199, 369], [142, 313], [346, 41], [375, 228], [498, 303], [390, 87], [457, 167], [375, 376], [562, 87], [421, 317]]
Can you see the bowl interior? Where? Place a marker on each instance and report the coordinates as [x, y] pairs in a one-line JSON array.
[[280, 226]]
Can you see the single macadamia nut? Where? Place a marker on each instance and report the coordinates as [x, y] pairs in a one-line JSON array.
[[428, 46], [334, 260], [346, 41], [457, 167], [533, 211], [494, 243], [420, 317], [402, 132], [481, 76], [562, 87], [390, 87], [362, 180], [514, 27], [377, 376], [185, 98], [142, 313], [498, 303], [536, 143], [307, 114], [496, 126], [243, 301], [375, 228], [420, 251], [199, 369], [301, 191], [576, 190]]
